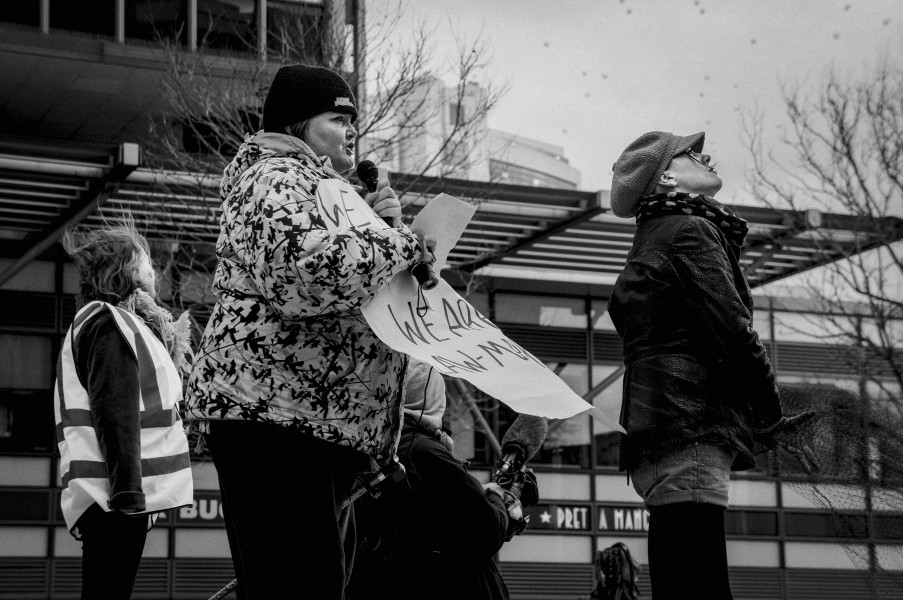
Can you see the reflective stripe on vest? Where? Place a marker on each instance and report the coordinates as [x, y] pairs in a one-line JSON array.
[[165, 464]]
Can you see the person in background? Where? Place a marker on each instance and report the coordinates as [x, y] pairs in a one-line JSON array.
[[123, 450], [297, 394], [616, 574], [436, 534], [699, 392]]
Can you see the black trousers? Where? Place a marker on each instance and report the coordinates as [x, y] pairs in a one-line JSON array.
[[282, 492], [112, 544], [687, 552]]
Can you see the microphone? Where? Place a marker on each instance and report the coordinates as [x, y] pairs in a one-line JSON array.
[[522, 441], [368, 173]]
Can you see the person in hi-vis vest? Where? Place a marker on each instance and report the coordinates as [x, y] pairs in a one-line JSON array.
[[123, 450]]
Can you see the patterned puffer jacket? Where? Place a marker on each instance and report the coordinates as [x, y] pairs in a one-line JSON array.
[[286, 342]]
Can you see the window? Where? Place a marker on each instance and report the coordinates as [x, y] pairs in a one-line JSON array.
[[567, 443], [26, 362], [799, 524], [836, 435], [227, 25], [26, 421], [156, 19], [97, 17], [298, 30], [548, 311], [747, 522], [23, 12], [608, 400]]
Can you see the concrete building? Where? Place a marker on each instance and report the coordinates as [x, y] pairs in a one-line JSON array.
[[478, 153], [517, 160], [79, 82]]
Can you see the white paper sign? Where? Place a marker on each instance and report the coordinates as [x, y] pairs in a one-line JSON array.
[[451, 334]]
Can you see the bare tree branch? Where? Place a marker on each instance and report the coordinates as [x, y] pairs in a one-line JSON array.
[[846, 143]]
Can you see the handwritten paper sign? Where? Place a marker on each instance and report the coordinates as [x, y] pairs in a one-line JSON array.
[[452, 335]]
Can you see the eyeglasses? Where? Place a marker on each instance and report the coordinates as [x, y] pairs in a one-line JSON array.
[[703, 160]]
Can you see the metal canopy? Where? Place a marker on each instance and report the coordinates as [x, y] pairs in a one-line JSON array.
[[517, 232]]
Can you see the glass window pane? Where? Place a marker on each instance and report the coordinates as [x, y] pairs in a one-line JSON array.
[[459, 419], [563, 486], [88, 16], [836, 438], [742, 553], [761, 324], [798, 524], [201, 543], [227, 24], [549, 311], [567, 443], [26, 421], [156, 19], [797, 327], [601, 320], [64, 544], [38, 276], [840, 497], [615, 488], [25, 471], [547, 548], [25, 362], [157, 543], [23, 541], [745, 492], [890, 558], [298, 30], [478, 300], [23, 12], [803, 555], [889, 527], [70, 279], [608, 400], [747, 522]]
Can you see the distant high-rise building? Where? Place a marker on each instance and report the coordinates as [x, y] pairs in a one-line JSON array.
[[519, 160], [448, 143]]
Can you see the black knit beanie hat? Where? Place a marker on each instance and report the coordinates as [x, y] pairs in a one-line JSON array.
[[299, 92]]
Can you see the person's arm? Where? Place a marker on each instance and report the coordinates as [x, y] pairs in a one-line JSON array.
[[471, 518], [300, 267], [706, 274], [108, 370]]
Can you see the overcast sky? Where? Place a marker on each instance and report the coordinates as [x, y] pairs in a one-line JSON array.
[[592, 75]]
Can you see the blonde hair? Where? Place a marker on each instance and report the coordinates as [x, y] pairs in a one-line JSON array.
[[107, 260]]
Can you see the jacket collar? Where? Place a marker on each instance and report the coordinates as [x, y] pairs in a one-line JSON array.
[[282, 143]]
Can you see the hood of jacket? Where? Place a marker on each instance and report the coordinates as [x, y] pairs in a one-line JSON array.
[[265, 145]]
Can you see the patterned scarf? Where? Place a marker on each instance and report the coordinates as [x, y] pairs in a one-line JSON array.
[[176, 335], [679, 203]]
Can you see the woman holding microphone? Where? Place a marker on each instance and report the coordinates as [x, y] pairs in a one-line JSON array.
[[297, 394]]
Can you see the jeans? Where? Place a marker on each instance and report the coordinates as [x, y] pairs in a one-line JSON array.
[[692, 473], [686, 492]]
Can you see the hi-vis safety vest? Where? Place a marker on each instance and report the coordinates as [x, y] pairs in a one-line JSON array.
[[165, 465]]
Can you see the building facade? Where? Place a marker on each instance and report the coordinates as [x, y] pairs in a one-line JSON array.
[[783, 541]]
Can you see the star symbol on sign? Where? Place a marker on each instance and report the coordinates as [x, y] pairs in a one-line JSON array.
[[546, 517]]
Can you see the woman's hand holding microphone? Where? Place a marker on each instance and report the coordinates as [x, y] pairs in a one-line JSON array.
[[384, 202]]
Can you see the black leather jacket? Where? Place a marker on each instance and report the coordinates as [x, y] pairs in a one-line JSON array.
[[696, 369]]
